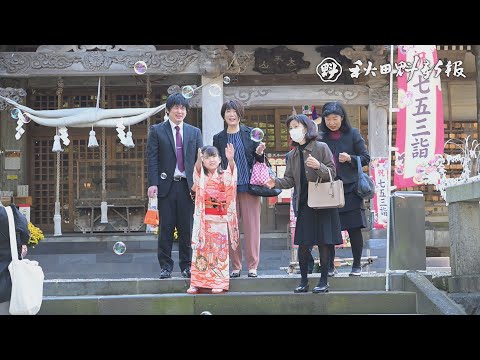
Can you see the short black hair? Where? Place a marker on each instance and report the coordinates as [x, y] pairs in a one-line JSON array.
[[310, 125], [235, 105], [337, 109], [177, 99]]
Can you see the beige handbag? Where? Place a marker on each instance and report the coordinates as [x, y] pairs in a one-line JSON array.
[[326, 195]]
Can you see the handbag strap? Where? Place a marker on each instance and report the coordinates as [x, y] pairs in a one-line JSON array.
[[359, 167], [329, 174], [11, 229], [265, 161]]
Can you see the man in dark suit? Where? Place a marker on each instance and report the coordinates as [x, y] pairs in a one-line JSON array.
[[172, 148]]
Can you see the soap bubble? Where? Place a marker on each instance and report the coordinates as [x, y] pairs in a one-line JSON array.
[[215, 90], [14, 113], [119, 248], [256, 134], [226, 80], [140, 67], [187, 92]]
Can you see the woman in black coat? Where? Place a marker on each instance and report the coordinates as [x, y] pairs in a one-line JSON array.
[[21, 230], [346, 144]]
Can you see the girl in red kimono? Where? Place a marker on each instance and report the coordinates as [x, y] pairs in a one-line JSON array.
[[215, 223]]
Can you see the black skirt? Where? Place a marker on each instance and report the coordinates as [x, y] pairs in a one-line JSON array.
[[352, 215], [317, 227]]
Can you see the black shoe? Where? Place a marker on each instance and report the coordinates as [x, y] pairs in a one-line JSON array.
[[320, 289], [332, 273], [186, 273], [235, 274], [301, 289], [356, 271], [165, 274]]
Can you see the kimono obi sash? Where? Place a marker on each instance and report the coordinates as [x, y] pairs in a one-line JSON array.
[[213, 207]]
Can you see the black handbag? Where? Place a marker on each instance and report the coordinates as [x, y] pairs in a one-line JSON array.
[[261, 190], [366, 186]]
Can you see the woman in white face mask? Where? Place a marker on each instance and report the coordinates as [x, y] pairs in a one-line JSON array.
[[309, 160]]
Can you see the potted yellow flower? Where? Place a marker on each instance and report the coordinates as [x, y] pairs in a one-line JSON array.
[[36, 235], [175, 233]]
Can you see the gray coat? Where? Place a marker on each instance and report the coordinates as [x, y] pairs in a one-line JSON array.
[[320, 151]]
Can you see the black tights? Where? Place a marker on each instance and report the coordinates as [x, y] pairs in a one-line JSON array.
[[303, 256], [356, 242]]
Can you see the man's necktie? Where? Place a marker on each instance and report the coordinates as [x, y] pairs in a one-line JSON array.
[[179, 145]]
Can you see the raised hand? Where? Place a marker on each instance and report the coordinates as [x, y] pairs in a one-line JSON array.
[[199, 156], [344, 157], [312, 162], [198, 163], [229, 152], [260, 148]]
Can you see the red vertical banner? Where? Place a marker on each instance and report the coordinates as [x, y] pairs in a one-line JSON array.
[[420, 133], [379, 172], [293, 220]]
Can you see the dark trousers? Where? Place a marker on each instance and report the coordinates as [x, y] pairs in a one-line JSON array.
[[175, 210]]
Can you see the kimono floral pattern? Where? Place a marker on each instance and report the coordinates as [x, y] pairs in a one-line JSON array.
[[213, 233]]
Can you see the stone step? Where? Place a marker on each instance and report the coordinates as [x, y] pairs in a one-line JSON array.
[[128, 265], [83, 256], [106, 264], [105, 287], [438, 262], [74, 243], [235, 303]]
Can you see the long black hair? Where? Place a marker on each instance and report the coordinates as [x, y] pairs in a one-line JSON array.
[[337, 109]]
